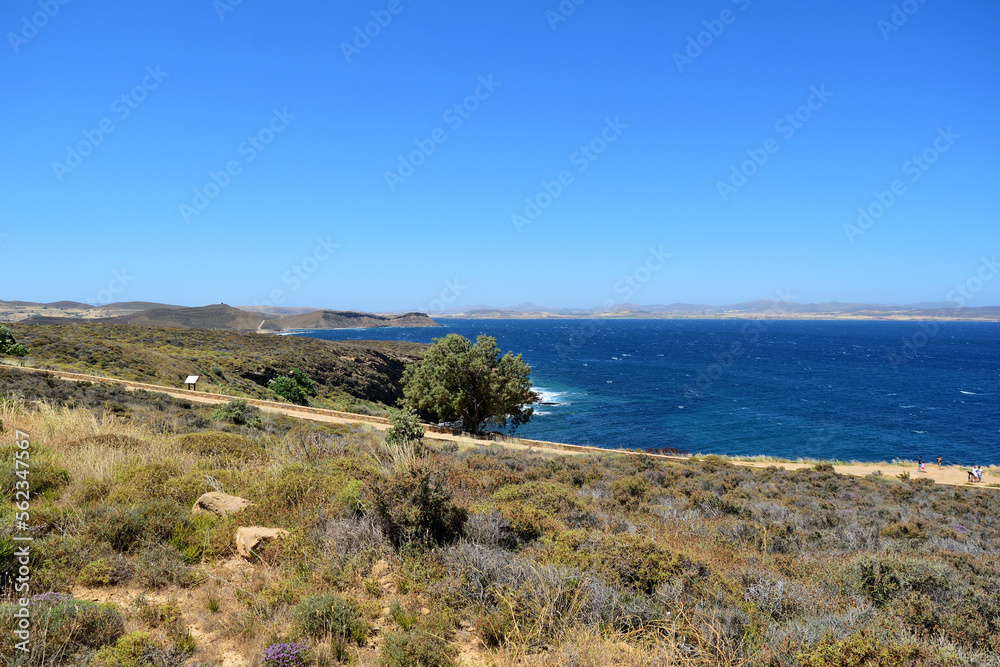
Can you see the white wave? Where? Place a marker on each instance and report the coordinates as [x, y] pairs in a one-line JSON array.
[[549, 396], [970, 393]]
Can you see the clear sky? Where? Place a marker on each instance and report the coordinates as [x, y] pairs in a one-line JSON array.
[[714, 152]]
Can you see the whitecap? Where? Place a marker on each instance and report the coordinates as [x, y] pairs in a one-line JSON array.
[[970, 393]]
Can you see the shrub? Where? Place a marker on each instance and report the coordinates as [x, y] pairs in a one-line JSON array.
[[861, 650], [290, 390], [416, 648], [110, 571], [222, 446], [287, 655], [823, 467], [331, 615], [160, 565], [130, 651], [62, 627], [632, 560], [415, 506], [125, 528], [633, 490], [406, 428], [239, 412]]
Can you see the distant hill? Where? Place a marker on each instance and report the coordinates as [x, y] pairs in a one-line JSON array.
[[219, 316], [346, 319], [225, 317], [749, 310]]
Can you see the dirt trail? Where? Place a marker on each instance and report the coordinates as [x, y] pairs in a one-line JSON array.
[[950, 475]]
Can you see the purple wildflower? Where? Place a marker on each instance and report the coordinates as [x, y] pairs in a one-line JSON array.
[[286, 655]]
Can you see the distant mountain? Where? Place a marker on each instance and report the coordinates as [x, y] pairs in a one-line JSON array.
[[749, 310], [278, 310], [136, 305], [219, 316], [222, 316], [345, 319]]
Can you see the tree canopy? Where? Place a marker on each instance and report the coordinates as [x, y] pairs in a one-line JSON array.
[[9, 346], [457, 379]]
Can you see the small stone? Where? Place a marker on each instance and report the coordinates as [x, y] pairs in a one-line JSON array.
[[249, 538], [425, 611], [219, 504]]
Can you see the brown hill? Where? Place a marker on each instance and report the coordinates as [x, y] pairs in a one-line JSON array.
[[346, 319], [218, 316]]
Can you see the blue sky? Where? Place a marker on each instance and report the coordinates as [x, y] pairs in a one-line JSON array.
[[651, 114]]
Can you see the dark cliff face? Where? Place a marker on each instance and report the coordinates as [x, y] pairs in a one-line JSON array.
[[244, 362]]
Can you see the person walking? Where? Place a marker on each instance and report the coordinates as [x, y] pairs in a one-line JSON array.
[[939, 463]]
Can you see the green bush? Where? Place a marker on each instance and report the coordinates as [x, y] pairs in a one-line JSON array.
[[416, 648], [290, 389], [331, 615], [415, 505], [239, 412], [863, 650], [631, 560], [110, 571], [126, 527], [130, 651], [62, 627], [406, 427]]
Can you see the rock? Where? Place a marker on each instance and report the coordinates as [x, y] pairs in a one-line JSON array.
[[425, 611], [219, 504], [249, 538]]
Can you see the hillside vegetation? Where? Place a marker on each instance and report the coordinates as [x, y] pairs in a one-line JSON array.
[[354, 375], [418, 554]]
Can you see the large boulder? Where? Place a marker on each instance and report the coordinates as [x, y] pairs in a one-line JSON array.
[[219, 504], [248, 538]]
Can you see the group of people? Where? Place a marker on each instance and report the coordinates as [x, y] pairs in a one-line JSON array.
[[975, 475], [922, 468]]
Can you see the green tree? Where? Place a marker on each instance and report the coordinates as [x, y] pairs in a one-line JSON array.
[[297, 387], [288, 389], [10, 347], [457, 379]]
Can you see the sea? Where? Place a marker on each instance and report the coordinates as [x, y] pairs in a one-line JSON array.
[[833, 390]]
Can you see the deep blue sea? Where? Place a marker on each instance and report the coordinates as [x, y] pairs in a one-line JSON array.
[[865, 391]]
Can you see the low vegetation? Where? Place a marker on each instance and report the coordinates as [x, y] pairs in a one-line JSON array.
[[362, 377], [412, 553]]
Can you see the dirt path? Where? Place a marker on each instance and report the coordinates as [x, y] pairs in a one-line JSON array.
[[950, 475]]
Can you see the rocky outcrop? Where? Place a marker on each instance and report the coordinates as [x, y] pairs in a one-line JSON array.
[[219, 504], [249, 538]]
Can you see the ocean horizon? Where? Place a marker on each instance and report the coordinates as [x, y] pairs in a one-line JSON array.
[[833, 390]]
